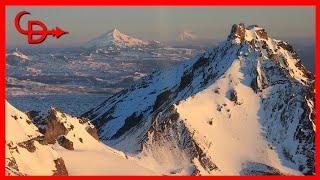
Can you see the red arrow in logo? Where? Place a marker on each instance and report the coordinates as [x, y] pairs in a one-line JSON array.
[[32, 33]]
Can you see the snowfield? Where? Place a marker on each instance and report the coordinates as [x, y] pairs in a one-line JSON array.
[[234, 129], [89, 156], [23, 154]]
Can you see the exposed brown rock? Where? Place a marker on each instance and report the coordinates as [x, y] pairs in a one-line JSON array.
[[29, 145], [11, 146], [54, 128], [284, 60], [252, 43], [262, 34], [11, 162], [275, 57], [93, 132], [305, 72], [286, 46], [61, 169], [238, 31], [217, 91], [66, 143]]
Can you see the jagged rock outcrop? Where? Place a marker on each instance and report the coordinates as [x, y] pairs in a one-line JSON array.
[[65, 142], [54, 127], [26, 152]]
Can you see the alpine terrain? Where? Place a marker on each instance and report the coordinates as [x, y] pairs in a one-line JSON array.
[[60, 145], [245, 107], [39, 78]]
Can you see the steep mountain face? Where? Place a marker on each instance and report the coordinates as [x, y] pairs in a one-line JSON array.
[[26, 151], [244, 107]]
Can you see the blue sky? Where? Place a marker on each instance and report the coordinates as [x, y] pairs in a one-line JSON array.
[[162, 23]]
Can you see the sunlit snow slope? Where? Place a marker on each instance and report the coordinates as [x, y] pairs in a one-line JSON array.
[[245, 107], [66, 145], [26, 153]]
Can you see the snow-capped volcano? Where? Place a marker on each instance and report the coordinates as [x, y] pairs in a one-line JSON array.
[[117, 39], [187, 36], [245, 107]]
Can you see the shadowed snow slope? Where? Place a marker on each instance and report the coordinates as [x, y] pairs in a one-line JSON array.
[[246, 104]]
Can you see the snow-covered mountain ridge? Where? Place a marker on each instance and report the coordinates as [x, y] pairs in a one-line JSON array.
[[195, 116], [17, 57], [60, 144], [26, 151], [18, 54]]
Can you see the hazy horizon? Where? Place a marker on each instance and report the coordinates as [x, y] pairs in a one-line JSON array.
[[162, 23]]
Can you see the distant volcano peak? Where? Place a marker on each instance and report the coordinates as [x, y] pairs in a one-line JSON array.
[[116, 38], [187, 36]]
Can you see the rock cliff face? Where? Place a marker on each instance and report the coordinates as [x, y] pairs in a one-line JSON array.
[[68, 131], [26, 151], [24, 141], [249, 86]]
